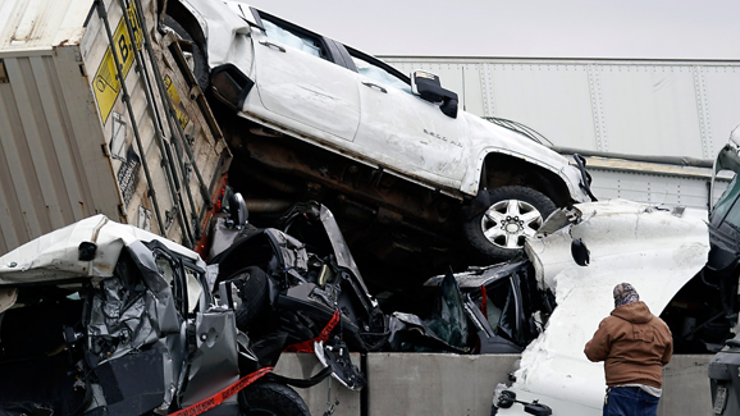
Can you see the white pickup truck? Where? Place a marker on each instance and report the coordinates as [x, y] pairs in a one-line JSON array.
[[320, 119]]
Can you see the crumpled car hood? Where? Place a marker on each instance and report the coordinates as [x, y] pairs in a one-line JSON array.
[[655, 250], [55, 256]]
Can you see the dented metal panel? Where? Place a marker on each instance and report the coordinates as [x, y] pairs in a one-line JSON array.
[[70, 147]]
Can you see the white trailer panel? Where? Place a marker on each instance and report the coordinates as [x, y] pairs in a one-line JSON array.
[[643, 109], [523, 92]]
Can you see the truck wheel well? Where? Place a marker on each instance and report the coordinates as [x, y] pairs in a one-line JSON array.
[[182, 16], [501, 170]]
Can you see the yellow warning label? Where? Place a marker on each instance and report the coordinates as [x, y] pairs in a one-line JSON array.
[[106, 83], [182, 116]]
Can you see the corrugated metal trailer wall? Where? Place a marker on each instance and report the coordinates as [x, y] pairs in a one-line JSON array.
[[646, 108], [44, 169]]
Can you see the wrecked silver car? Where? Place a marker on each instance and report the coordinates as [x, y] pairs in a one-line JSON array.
[[106, 319]]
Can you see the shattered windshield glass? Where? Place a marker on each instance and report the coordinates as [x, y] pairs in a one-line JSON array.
[[500, 308], [449, 321]]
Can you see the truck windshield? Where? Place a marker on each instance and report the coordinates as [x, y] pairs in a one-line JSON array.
[[727, 208]]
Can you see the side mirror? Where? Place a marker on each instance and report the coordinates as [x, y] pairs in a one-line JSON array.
[[427, 86], [233, 204], [238, 212], [230, 86], [579, 251], [506, 399], [86, 251], [727, 159]]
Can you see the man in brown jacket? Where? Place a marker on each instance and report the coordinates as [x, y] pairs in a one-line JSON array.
[[634, 345]]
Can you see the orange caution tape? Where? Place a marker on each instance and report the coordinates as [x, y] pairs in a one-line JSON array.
[[218, 398], [307, 346]]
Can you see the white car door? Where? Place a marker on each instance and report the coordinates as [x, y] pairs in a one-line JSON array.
[[297, 80], [406, 132]]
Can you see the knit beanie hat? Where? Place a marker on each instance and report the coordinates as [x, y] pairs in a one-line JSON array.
[[624, 293]]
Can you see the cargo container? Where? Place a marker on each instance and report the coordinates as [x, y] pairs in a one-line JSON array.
[[76, 141]]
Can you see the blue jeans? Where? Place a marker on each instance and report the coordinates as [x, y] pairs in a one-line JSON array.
[[630, 401]]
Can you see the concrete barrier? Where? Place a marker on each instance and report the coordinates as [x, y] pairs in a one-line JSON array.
[[686, 387], [416, 384], [322, 396], [434, 384]]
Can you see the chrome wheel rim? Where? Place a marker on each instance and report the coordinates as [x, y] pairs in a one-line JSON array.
[[507, 224]]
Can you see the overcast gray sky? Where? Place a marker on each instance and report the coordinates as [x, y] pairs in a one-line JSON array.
[[524, 28]]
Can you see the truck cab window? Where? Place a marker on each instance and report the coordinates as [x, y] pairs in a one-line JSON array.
[[294, 37], [379, 72]]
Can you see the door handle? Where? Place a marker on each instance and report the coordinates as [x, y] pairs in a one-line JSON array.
[[375, 87], [272, 45]]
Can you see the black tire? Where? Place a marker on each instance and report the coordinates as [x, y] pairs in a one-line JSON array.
[[271, 399], [515, 213], [200, 65], [252, 283]]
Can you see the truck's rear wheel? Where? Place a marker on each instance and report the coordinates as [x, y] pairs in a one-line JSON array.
[[196, 58], [271, 399], [514, 213]]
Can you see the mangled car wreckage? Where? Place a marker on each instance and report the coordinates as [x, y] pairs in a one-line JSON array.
[[96, 302], [87, 307], [104, 318], [300, 280], [104, 301], [100, 317], [90, 306], [581, 255]]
